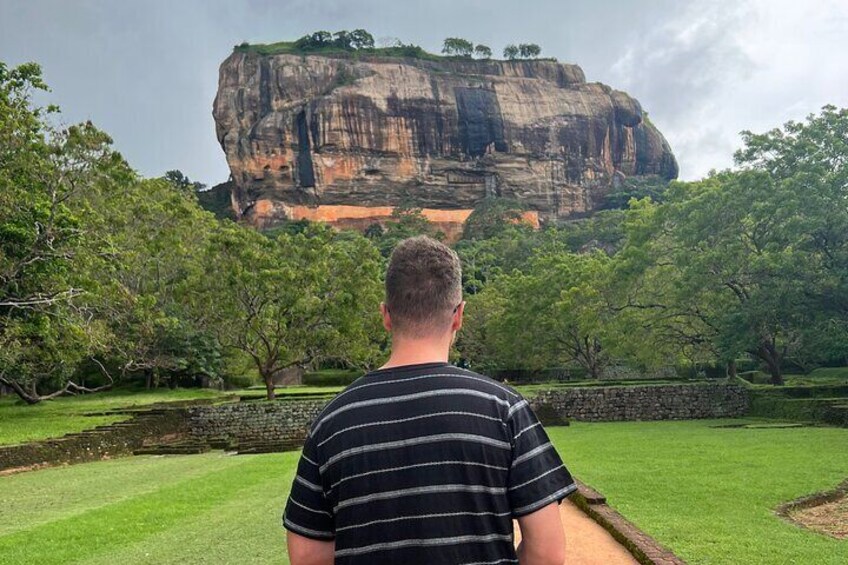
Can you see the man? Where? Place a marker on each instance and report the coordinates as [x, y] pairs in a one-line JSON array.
[[420, 461]]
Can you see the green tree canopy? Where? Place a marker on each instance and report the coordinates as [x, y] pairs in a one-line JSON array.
[[529, 50], [482, 51], [458, 47], [292, 299], [46, 240]]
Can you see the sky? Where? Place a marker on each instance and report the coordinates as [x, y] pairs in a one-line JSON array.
[[146, 72]]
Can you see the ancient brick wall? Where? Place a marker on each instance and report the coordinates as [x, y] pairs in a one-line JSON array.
[[112, 440], [242, 422], [646, 402]]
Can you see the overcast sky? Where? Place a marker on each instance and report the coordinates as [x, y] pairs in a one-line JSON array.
[[146, 71]]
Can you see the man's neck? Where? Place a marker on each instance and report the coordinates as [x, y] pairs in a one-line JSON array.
[[416, 352]]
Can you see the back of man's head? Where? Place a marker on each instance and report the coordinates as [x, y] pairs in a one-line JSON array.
[[423, 287]]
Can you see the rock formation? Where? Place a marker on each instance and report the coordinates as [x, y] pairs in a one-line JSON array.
[[344, 139]]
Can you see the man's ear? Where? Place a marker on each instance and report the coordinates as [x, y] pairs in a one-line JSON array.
[[387, 319], [457, 317]]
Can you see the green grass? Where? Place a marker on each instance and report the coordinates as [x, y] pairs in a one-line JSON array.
[[22, 423], [709, 493], [208, 508], [822, 376], [817, 377]]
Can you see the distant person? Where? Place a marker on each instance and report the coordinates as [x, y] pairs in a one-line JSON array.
[[420, 461]]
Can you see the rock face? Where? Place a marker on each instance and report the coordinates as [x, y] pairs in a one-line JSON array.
[[344, 139]]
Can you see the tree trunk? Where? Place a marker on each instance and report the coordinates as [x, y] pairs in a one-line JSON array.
[[768, 353], [269, 385], [34, 397], [22, 394], [731, 368], [776, 374], [593, 349]]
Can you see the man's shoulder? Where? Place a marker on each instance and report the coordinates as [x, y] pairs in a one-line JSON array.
[[490, 383], [369, 387]]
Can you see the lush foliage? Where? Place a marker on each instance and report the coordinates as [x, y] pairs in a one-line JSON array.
[[360, 41], [746, 263], [106, 276], [47, 246], [482, 51], [347, 43], [458, 47], [522, 51], [344, 40], [291, 299]]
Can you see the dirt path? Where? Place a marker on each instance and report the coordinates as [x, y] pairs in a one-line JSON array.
[[586, 542]]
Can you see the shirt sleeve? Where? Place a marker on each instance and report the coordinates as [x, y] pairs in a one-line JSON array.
[[308, 511], [537, 475]]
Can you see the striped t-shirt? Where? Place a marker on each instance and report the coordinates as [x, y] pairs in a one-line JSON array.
[[424, 463]]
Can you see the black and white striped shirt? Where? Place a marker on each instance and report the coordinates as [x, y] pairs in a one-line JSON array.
[[425, 464]]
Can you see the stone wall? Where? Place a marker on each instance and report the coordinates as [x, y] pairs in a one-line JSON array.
[[287, 421], [647, 402], [253, 421], [271, 426], [113, 440]]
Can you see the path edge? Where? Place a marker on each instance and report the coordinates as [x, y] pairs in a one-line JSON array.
[[643, 547]]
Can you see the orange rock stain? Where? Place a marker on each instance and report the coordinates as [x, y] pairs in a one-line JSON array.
[[360, 217]]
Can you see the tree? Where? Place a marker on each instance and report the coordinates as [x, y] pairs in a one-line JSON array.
[[321, 38], [640, 186], [293, 299], [406, 220], [46, 243], [529, 50], [511, 52], [158, 236], [557, 306], [491, 216], [483, 260], [343, 40], [361, 39], [483, 51], [314, 41], [806, 162], [726, 269], [457, 47], [664, 320], [182, 183]]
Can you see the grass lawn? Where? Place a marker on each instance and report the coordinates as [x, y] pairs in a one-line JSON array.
[[209, 508], [822, 376], [708, 493], [21, 423]]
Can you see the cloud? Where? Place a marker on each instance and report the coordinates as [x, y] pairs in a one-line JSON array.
[[721, 67]]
